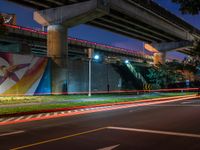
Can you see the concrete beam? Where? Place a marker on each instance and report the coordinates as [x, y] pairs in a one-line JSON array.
[[169, 46], [71, 15], [141, 27], [159, 58], [121, 31], [132, 9], [36, 3], [56, 2], [128, 28]]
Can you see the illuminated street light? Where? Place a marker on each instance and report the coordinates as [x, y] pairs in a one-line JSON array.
[[96, 57], [126, 61]]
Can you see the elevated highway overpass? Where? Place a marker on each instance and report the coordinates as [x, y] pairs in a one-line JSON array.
[[113, 70], [30, 41], [140, 19]]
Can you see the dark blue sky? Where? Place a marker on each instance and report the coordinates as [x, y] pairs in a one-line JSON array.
[[25, 18]]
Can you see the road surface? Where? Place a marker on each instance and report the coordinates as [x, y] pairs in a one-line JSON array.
[[156, 127]]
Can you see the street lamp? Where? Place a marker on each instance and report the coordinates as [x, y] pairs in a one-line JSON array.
[[96, 57], [126, 61], [90, 56], [90, 53]]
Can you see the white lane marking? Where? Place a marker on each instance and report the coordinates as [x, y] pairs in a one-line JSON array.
[[186, 102], [175, 105], [46, 115], [11, 133], [104, 107], [1, 119], [62, 112], [56, 113], [82, 110], [109, 148], [8, 119], [69, 111], [156, 132], [39, 115], [19, 118], [29, 117]]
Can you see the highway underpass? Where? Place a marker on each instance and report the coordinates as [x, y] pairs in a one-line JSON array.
[[143, 20], [171, 125]]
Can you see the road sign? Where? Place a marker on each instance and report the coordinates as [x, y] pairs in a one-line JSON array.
[[187, 82]]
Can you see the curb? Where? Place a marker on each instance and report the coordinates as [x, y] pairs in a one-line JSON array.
[[91, 106]]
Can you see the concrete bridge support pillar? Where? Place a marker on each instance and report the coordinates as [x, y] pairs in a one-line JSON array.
[[159, 58], [57, 52], [68, 16]]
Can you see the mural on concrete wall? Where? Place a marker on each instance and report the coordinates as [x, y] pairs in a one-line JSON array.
[[24, 74]]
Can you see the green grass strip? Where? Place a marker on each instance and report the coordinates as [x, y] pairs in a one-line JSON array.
[[36, 107]]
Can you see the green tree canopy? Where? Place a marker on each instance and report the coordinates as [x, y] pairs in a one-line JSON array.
[[163, 75], [189, 6]]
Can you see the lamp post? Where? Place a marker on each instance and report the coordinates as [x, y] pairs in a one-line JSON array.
[[90, 56], [126, 61], [90, 53], [89, 76], [108, 85]]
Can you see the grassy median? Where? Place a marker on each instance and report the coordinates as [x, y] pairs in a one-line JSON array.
[[40, 99]]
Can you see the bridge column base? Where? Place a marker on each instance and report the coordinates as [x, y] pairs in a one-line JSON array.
[[57, 52], [159, 58]]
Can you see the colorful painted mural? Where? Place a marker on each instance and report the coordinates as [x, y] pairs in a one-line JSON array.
[[24, 74]]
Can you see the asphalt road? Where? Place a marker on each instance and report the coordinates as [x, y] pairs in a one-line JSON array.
[[157, 127]]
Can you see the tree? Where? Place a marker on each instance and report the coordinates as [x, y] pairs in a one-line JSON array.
[[157, 78], [189, 6], [192, 64], [163, 75]]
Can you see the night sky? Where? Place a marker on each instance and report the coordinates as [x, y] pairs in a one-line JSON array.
[[25, 18]]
